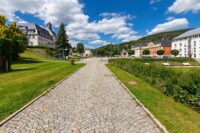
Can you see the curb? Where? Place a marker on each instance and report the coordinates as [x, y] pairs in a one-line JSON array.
[[143, 107], [32, 101]]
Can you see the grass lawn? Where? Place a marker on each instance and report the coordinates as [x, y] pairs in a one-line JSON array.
[[31, 55], [28, 79], [176, 117]]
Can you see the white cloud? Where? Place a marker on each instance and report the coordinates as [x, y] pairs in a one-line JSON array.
[[171, 25], [170, 18], [71, 12], [99, 42], [181, 6]]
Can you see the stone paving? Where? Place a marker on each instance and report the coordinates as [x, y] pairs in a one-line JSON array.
[[90, 101]]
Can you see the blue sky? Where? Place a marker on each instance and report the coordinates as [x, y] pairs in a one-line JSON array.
[[97, 22]]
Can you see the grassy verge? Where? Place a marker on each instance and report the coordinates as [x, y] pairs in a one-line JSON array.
[[176, 117], [28, 79]]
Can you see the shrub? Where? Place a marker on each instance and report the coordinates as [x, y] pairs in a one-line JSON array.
[[180, 60], [183, 86], [160, 52], [145, 52], [175, 52], [72, 61]]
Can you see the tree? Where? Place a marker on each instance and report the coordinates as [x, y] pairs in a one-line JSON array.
[[13, 41], [131, 52], [160, 52], [19, 41], [80, 48], [146, 52], [62, 41], [175, 52]]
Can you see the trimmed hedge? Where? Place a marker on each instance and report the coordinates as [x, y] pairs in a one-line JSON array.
[[183, 86], [180, 60]]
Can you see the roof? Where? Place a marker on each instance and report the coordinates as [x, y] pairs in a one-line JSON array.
[[31, 27], [164, 42], [189, 33], [139, 45]]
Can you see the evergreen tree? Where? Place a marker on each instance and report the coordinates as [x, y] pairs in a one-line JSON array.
[[62, 41], [80, 48]]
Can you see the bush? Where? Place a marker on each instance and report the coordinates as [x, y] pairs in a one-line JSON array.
[[49, 51], [180, 60], [183, 86], [175, 52], [72, 61], [145, 52]]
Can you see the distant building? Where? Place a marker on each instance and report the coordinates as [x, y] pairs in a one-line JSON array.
[[153, 47], [87, 52], [159, 45], [37, 35], [188, 44], [138, 48]]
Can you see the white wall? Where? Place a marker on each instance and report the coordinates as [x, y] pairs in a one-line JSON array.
[[182, 46]]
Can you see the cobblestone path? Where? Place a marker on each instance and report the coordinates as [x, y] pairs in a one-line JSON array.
[[90, 101]]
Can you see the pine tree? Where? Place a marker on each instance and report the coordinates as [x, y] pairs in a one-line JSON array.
[[62, 41], [80, 48]]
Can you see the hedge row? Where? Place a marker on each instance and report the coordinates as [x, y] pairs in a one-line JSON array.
[[183, 86], [180, 60]]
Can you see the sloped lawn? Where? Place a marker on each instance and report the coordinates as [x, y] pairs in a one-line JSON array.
[[28, 79]]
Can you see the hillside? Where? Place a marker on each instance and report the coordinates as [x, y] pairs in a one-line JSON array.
[[114, 49], [155, 37]]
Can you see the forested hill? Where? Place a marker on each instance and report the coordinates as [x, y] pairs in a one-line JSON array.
[[155, 37], [115, 49]]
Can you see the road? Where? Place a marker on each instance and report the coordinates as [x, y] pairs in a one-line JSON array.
[[90, 101]]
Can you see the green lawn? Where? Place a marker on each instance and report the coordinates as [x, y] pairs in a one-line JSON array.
[[31, 55], [28, 79], [176, 117]]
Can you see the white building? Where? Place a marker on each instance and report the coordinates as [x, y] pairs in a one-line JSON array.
[[138, 48], [188, 44], [87, 53], [37, 35]]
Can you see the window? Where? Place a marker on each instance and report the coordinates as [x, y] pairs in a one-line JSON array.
[[194, 42], [194, 49], [180, 44], [175, 45]]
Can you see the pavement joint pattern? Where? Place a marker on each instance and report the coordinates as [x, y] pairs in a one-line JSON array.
[[90, 101]]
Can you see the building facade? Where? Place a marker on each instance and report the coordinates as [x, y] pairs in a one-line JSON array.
[[153, 47], [159, 45], [138, 48], [87, 53], [37, 35], [188, 44]]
